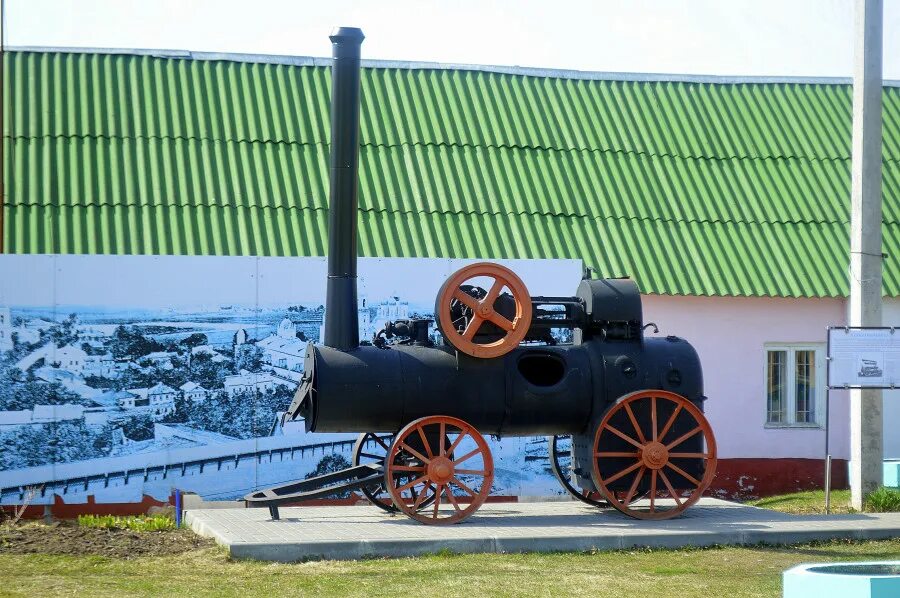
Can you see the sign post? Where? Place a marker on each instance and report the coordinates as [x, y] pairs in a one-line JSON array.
[[859, 357]]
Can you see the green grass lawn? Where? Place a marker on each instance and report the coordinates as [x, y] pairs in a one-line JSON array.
[[729, 572], [813, 502], [720, 572], [806, 503], [138, 523]]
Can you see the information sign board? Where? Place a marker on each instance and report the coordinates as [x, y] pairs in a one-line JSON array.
[[863, 357]]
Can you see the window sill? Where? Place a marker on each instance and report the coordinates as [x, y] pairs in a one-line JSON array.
[[794, 426]]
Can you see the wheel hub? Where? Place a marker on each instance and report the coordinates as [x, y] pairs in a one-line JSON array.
[[655, 455], [440, 470]]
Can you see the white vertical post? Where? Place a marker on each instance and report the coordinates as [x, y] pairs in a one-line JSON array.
[[866, 452]]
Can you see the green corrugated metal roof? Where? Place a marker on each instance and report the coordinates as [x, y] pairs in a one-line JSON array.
[[692, 188]]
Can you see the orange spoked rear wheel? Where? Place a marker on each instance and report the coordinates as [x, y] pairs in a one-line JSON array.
[[443, 461], [657, 442], [462, 335]]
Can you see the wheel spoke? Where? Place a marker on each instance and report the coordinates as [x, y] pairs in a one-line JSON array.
[[425, 442], [412, 491], [381, 442], [413, 468], [689, 455], [443, 432], [492, 295], [371, 456], [683, 437], [415, 453], [421, 498], [622, 473], [480, 472], [409, 485], [455, 443], [467, 456], [438, 490], [466, 299], [624, 436], [501, 321], [472, 328], [683, 474], [634, 485], [653, 417], [671, 421], [653, 490], [668, 484], [618, 454], [455, 480], [452, 499], [634, 423]]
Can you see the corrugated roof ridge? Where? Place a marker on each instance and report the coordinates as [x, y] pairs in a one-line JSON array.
[[605, 218], [408, 211], [619, 151], [537, 148], [316, 61], [109, 137]]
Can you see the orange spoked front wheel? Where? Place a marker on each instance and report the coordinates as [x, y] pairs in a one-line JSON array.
[[480, 311], [655, 442], [443, 461]]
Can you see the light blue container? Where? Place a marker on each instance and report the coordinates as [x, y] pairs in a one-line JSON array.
[[892, 473], [891, 470], [843, 580]]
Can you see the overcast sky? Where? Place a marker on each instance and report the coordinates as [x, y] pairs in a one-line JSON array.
[[720, 37]]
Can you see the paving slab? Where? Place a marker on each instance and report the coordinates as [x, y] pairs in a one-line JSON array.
[[355, 532]]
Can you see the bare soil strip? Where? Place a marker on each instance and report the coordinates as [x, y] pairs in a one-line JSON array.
[[65, 537]]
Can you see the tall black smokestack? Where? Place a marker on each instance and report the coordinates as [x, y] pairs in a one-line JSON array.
[[341, 319]]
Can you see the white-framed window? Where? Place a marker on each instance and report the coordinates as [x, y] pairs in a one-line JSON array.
[[795, 384]]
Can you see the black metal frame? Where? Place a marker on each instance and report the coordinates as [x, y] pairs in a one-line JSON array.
[[352, 478], [575, 316]]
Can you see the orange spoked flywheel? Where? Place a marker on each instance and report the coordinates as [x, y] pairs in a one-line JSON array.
[[461, 334]]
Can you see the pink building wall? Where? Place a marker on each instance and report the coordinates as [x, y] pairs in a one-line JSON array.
[[891, 317], [730, 334]]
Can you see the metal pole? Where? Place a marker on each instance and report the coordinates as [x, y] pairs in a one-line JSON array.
[[2, 119], [827, 454], [866, 451]]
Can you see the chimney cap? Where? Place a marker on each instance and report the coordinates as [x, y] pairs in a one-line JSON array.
[[342, 35]]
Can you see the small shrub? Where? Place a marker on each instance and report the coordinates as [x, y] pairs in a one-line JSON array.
[[140, 523], [883, 500]]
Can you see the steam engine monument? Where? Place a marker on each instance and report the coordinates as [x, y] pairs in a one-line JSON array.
[[624, 412]]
